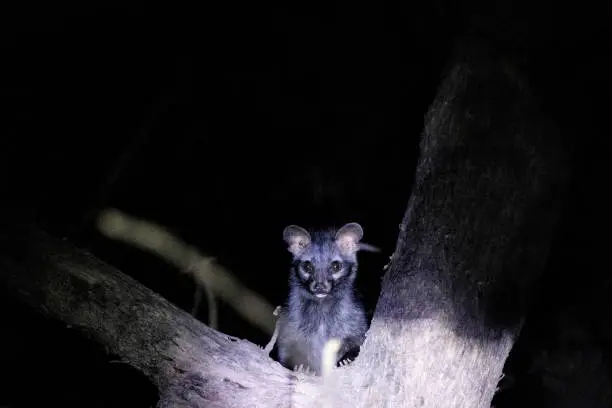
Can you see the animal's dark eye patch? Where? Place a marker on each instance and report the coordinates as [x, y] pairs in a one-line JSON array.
[[338, 270], [307, 267], [305, 270]]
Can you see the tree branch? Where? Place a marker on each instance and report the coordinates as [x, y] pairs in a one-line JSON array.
[[207, 273], [146, 331]]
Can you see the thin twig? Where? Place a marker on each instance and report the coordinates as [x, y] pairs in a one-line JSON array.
[[154, 238], [272, 342]]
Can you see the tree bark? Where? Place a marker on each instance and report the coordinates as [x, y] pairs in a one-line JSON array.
[[164, 342], [475, 236]]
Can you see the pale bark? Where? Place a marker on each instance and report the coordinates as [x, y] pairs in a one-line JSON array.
[[164, 342], [475, 236]]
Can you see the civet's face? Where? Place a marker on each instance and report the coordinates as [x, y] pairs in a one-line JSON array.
[[324, 261]]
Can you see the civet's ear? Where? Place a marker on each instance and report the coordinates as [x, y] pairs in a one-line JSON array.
[[348, 237], [297, 238]]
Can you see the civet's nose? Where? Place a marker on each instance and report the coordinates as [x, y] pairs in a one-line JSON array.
[[320, 289]]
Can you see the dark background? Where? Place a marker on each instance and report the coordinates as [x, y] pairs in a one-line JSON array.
[[232, 120]]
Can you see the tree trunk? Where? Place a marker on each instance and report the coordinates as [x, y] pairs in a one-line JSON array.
[[475, 236]]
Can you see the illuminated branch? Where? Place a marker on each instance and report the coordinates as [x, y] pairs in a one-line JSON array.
[[151, 237]]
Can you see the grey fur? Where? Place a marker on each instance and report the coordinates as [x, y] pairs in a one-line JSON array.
[[307, 322]]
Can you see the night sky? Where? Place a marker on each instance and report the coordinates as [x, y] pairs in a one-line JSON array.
[[225, 122]]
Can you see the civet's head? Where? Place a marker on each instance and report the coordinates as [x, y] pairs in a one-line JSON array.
[[324, 261]]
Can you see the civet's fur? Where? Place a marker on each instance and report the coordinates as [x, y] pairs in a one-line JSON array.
[[322, 303]]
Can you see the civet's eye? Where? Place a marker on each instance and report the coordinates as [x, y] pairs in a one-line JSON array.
[[336, 266], [307, 267]]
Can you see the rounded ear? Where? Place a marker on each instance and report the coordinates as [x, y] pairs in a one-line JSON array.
[[348, 237], [296, 237]]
